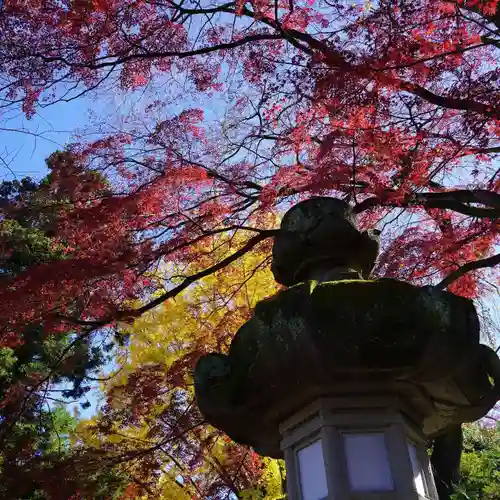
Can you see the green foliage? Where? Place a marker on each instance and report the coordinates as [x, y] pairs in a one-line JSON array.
[[24, 227], [46, 436], [480, 467], [24, 247], [46, 368], [7, 362]]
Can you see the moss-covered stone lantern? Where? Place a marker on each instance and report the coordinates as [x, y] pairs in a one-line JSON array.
[[345, 377]]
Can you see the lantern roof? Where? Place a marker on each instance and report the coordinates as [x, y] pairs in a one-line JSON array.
[[334, 333]]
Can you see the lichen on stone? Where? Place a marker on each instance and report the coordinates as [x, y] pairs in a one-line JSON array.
[[318, 336]]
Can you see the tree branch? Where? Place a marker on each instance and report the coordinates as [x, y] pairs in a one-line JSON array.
[[474, 7], [493, 149], [117, 60], [450, 102], [251, 243], [462, 200], [470, 266], [189, 280]]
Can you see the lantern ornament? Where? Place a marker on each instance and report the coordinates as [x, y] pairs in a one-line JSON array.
[[346, 377]]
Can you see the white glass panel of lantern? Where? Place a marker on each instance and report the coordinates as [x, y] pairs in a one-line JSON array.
[[418, 474], [312, 472], [368, 464]]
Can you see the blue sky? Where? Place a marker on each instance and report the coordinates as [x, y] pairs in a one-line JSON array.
[[24, 144]]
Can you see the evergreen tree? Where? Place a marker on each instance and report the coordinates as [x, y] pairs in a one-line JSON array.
[[44, 369]]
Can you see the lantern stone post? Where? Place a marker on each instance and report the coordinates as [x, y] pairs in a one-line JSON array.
[[345, 377]]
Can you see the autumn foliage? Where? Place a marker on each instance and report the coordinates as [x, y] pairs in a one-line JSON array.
[[150, 412], [249, 107]]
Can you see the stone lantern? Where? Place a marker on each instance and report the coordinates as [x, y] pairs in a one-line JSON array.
[[345, 377]]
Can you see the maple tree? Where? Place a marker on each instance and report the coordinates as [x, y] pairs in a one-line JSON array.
[[389, 104], [39, 373], [150, 427]]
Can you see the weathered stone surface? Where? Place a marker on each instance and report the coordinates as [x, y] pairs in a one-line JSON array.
[[320, 234], [345, 336], [337, 337]]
